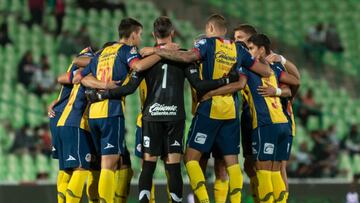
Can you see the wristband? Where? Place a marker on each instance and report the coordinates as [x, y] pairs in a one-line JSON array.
[[283, 60], [278, 92]]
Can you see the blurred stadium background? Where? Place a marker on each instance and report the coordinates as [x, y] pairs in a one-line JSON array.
[[38, 39]]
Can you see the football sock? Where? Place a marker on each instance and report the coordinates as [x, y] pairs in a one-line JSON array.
[[265, 186], [75, 187], [122, 184], [175, 182], [197, 181], [107, 186], [145, 181], [279, 187], [92, 186], [221, 188], [235, 182]]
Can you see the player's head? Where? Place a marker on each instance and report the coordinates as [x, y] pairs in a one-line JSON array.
[[216, 26], [243, 32], [259, 45], [163, 28], [131, 30]]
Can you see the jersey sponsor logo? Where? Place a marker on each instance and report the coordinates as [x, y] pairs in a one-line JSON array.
[[144, 193], [200, 138], [70, 158], [109, 146], [146, 142], [176, 143], [162, 110], [268, 148], [222, 57]]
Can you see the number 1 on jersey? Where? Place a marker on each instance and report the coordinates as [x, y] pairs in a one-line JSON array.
[[164, 67]]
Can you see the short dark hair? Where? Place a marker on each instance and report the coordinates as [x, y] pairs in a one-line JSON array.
[[127, 26], [218, 20], [261, 40], [248, 29], [163, 27]]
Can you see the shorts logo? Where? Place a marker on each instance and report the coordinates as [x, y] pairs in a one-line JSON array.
[[88, 157], [108, 146], [71, 158], [288, 148], [268, 148], [53, 149], [138, 147], [200, 138], [146, 142], [176, 143], [254, 151]]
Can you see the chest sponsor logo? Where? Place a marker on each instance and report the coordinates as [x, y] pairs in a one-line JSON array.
[[162, 110]]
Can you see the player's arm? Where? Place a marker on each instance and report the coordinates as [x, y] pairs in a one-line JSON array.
[[82, 61], [91, 82], [64, 79], [203, 86], [145, 63], [227, 89], [118, 92], [261, 67], [289, 66], [176, 55], [246, 61], [270, 91]]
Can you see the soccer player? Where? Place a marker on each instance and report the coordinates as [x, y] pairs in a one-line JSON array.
[[242, 33], [106, 118], [55, 110], [270, 125], [216, 121], [163, 112]]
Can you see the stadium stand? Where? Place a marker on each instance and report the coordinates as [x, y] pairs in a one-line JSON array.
[[18, 106]]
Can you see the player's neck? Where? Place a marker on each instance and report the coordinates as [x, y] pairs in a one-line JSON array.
[[126, 41], [165, 40]]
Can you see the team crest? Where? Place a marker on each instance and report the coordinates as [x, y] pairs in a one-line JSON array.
[[133, 51]]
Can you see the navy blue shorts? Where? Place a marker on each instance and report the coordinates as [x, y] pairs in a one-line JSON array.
[[77, 149], [246, 129], [54, 135], [205, 133], [108, 135], [271, 142], [138, 142]]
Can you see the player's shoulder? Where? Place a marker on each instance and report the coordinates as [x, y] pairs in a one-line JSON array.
[[205, 41]]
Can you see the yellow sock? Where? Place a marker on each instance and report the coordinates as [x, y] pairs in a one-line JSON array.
[[63, 186], [235, 182], [279, 187], [265, 186], [197, 181], [58, 183], [92, 186], [107, 186], [254, 188], [152, 194], [122, 184], [75, 186], [221, 188], [286, 195]]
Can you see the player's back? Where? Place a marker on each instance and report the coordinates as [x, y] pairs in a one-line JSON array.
[[165, 91]]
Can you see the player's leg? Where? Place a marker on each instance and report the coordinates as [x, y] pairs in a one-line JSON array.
[[200, 140], [77, 149], [283, 148], [92, 183], [264, 152], [221, 184], [173, 149], [152, 141], [228, 142], [112, 138], [123, 178]]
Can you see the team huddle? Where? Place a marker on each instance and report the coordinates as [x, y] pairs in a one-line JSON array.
[[88, 126]]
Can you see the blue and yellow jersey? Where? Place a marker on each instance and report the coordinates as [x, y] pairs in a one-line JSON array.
[[75, 111], [218, 56], [263, 110], [111, 64], [285, 102], [142, 95], [65, 90]]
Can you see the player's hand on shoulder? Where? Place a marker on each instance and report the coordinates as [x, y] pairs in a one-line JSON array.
[[267, 90], [147, 51], [273, 57]]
